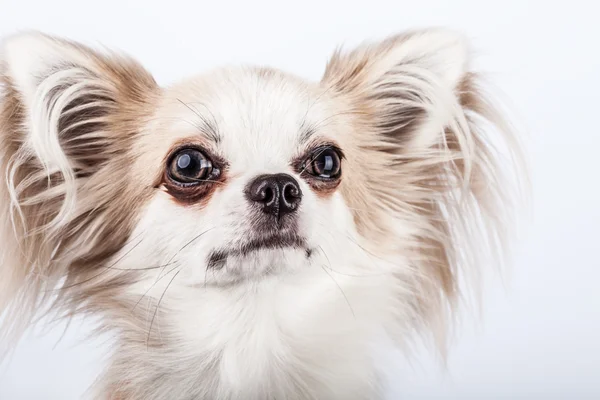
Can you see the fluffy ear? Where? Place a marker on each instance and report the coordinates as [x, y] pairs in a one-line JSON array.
[[428, 142], [67, 95], [409, 79], [67, 115], [442, 52]]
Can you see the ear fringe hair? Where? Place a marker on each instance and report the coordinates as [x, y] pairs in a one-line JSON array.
[[444, 162], [55, 144], [462, 193]]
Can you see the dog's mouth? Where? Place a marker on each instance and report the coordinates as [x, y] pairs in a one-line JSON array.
[[218, 258]]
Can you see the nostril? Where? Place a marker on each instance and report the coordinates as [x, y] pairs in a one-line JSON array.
[[268, 195], [291, 193]]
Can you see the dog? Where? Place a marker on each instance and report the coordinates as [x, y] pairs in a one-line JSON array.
[[247, 234]]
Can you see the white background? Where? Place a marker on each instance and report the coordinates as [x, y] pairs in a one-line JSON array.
[[540, 336]]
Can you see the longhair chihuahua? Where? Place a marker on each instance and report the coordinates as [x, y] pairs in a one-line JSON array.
[[246, 234]]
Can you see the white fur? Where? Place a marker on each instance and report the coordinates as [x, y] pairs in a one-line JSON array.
[[274, 324], [297, 325]]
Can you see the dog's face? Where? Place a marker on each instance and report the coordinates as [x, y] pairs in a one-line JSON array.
[[230, 222], [247, 165]]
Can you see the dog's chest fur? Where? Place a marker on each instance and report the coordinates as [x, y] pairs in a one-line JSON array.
[[272, 341]]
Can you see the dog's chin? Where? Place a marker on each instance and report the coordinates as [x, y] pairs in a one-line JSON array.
[[234, 267]]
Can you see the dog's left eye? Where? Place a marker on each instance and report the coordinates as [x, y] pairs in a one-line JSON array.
[[190, 166], [324, 163]]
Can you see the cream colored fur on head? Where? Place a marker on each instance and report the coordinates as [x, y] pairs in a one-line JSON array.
[[90, 222]]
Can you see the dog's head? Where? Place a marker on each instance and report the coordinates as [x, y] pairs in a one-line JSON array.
[[114, 189]]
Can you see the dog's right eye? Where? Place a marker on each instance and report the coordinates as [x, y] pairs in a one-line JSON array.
[[191, 166]]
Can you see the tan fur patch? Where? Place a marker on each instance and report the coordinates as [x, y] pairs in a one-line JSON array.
[[438, 190], [96, 131]]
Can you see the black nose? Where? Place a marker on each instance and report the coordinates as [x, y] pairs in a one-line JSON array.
[[277, 194]]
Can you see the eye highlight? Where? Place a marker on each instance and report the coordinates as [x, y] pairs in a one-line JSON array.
[[324, 163], [190, 166]]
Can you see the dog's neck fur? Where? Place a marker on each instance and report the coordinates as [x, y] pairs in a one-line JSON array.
[[266, 341]]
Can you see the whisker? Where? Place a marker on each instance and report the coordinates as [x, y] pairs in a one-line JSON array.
[[341, 290], [315, 101], [365, 250], [71, 251], [322, 124], [112, 266], [158, 305], [336, 283], [101, 273], [205, 275], [354, 275], [209, 128], [207, 109], [189, 243], [109, 267], [195, 126], [345, 274], [154, 284], [328, 230], [159, 277], [324, 254]]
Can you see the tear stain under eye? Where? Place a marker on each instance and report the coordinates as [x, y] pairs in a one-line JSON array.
[[323, 189], [193, 195]]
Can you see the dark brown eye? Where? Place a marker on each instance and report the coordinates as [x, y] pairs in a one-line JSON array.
[[191, 166], [324, 163]]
